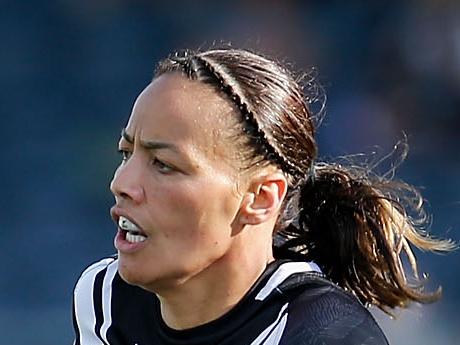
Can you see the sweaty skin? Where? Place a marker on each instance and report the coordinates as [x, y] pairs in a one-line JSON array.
[[208, 227]]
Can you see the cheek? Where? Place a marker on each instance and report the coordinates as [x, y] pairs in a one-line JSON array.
[[195, 215], [191, 224]]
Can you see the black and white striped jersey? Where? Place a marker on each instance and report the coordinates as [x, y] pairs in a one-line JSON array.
[[290, 304]]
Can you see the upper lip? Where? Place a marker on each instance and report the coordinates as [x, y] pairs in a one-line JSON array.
[[116, 212]]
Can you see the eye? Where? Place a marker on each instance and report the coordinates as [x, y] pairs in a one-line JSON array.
[[125, 154], [162, 167]]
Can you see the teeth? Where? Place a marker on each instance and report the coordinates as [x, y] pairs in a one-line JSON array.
[[134, 238], [127, 225], [133, 232]]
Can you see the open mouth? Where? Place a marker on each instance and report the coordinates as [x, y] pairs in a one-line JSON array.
[[131, 231]]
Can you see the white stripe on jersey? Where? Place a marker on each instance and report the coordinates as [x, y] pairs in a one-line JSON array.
[[284, 271], [274, 331], [107, 298], [275, 337], [84, 304]]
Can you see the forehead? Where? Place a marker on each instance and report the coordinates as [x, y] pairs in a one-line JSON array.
[[186, 112]]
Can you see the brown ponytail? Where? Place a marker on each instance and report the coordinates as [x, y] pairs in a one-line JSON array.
[[356, 226]]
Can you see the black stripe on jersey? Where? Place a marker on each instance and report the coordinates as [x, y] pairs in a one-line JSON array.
[[275, 326], [75, 325], [97, 301], [132, 314], [83, 304]]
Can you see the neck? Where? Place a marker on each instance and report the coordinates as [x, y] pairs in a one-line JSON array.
[[213, 292]]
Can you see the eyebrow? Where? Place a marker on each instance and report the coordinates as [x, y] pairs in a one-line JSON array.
[[149, 144]]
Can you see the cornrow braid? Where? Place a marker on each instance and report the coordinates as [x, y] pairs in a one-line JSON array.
[[252, 127], [188, 64], [355, 224]]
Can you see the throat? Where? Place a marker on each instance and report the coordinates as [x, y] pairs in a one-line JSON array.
[[206, 297]]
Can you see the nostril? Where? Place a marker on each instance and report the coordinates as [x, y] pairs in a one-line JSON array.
[[123, 195]]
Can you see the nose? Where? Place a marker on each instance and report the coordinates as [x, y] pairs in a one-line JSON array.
[[127, 183]]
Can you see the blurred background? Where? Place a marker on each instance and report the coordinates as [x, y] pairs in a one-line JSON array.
[[70, 71]]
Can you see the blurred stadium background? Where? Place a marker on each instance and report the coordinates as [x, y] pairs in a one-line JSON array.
[[70, 71]]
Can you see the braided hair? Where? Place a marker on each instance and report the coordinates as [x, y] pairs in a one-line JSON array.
[[355, 224]]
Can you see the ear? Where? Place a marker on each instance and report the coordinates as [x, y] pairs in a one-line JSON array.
[[263, 199]]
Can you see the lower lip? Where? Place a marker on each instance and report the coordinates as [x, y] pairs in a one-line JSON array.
[[124, 246]]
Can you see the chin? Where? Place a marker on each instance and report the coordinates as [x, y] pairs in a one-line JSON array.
[[132, 277], [149, 279], [132, 272]]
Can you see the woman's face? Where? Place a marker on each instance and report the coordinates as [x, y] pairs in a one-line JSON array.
[[175, 183]]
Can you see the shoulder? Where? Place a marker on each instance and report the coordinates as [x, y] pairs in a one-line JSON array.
[[106, 309], [91, 303], [322, 313]]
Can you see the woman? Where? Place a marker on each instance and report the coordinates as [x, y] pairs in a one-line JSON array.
[[230, 232]]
